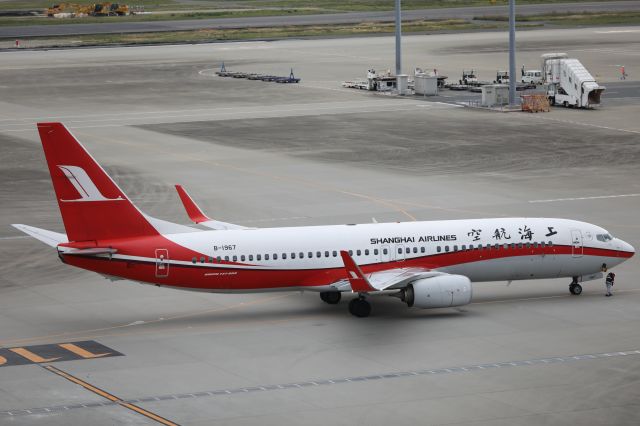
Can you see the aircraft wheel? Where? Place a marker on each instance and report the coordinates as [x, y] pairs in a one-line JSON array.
[[359, 308], [331, 297], [575, 289]]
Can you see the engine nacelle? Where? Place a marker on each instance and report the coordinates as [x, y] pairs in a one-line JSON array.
[[441, 291]]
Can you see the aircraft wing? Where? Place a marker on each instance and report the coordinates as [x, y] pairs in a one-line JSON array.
[[388, 279], [197, 216]]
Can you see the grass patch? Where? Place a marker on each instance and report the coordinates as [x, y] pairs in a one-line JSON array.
[[327, 5], [194, 15], [573, 18], [212, 35]]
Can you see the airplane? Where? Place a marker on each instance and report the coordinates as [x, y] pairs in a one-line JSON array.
[[425, 264]]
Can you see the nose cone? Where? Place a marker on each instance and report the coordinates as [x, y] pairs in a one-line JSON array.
[[626, 250]]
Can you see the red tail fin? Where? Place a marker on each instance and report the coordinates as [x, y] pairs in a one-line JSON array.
[[91, 204]]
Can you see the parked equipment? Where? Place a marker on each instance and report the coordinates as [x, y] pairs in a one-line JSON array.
[[532, 77], [502, 77], [568, 82]]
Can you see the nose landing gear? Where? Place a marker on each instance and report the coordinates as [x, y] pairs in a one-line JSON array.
[[574, 287]]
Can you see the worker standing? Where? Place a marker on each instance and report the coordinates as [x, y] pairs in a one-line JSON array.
[[609, 282]]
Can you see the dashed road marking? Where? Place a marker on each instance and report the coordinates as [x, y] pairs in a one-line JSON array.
[[321, 382], [112, 398]]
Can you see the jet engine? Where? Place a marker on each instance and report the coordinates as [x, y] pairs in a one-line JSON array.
[[441, 291]]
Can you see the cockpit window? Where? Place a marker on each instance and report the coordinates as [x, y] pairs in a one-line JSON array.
[[604, 237]]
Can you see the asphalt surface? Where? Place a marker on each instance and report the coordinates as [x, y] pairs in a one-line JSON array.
[[338, 18], [266, 155]]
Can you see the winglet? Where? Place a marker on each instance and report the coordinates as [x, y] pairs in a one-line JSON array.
[[194, 212], [359, 283]]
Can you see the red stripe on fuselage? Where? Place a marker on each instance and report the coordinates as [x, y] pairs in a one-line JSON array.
[[210, 276]]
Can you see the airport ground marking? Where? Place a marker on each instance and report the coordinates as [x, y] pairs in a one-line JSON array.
[[596, 197], [320, 382], [114, 399]]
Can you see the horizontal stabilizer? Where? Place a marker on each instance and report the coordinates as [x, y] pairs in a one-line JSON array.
[[50, 238], [90, 251], [197, 216]]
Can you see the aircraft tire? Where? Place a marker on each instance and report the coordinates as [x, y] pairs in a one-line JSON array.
[[331, 297], [575, 289], [359, 308]]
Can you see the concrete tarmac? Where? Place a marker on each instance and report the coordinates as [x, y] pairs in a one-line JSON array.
[[263, 154]]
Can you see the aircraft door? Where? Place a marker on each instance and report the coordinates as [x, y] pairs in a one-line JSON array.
[[162, 263], [577, 247]]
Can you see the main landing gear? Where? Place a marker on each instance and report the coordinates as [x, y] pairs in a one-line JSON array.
[[359, 307], [574, 287], [331, 297]]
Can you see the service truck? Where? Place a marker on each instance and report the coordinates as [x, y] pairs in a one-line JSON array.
[[568, 82]]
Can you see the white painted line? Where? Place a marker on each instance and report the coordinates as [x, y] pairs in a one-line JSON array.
[[617, 31], [15, 238], [598, 197]]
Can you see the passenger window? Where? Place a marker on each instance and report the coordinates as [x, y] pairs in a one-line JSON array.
[[310, 254], [470, 246], [422, 249], [335, 253], [455, 248], [266, 257], [242, 258], [463, 248], [439, 249], [550, 243], [519, 245], [210, 259], [202, 260], [542, 244], [235, 258], [407, 250], [219, 259], [318, 254], [350, 252], [375, 251], [358, 252], [506, 246], [415, 249], [446, 248], [284, 256], [301, 255], [399, 250], [293, 255], [194, 260], [275, 256], [226, 258], [496, 246], [326, 254], [258, 257], [385, 251], [366, 252]]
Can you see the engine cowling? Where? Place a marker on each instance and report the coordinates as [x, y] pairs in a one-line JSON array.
[[441, 291]]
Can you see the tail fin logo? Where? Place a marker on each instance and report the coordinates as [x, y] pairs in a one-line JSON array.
[[84, 185]]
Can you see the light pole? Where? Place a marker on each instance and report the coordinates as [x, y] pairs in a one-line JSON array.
[[398, 39], [512, 52]]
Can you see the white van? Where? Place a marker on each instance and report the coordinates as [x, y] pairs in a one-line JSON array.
[[532, 76]]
